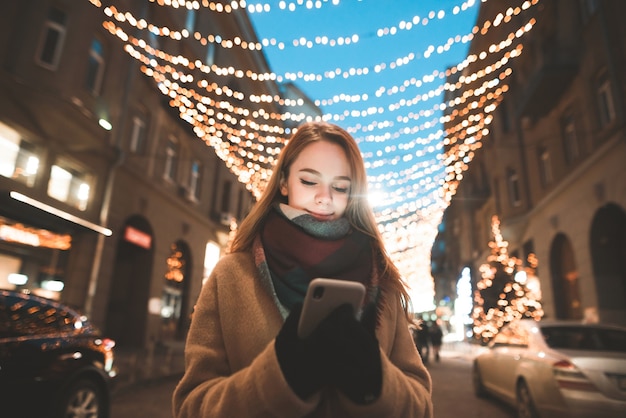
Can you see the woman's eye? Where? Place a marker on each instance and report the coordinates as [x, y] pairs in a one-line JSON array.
[[341, 189], [307, 183]]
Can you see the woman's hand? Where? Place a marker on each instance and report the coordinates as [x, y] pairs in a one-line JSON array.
[[301, 360], [354, 362], [341, 352]]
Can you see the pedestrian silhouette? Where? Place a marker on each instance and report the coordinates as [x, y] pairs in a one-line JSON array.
[[421, 337], [436, 338]]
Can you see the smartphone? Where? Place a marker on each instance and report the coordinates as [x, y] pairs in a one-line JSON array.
[[325, 295]]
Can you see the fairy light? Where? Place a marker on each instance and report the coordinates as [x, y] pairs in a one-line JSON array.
[[319, 40], [293, 116], [128, 17], [248, 138]]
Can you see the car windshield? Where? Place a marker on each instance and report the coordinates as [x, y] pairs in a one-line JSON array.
[[585, 338]]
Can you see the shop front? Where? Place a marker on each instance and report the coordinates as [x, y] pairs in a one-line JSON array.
[[36, 241]]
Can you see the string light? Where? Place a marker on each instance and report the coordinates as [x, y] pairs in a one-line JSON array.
[[249, 138], [403, 25], [294, 116]]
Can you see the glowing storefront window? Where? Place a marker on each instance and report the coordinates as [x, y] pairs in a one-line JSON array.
[[211, 256], [83, 195], [18, 158], [69, 185], [59, 185], [9, 147]]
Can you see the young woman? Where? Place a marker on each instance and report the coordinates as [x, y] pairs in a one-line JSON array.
[[243, 355]]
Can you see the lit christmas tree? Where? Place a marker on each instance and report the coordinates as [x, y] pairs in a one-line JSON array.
[[506, 291]]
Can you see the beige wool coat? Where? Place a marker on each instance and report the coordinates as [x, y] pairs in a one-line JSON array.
[[231, 369]]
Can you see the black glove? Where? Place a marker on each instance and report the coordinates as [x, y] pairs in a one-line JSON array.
[[353, 353], [300, 360]]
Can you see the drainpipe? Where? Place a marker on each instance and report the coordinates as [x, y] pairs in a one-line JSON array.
[[521, 143], [110, 181], [104, 215]]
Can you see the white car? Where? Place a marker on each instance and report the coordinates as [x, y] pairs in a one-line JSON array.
[[553, 369]]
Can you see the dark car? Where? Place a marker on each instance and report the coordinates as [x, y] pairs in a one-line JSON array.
[[53, 362]]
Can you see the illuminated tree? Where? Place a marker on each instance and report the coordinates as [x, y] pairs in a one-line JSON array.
[[506, 290]]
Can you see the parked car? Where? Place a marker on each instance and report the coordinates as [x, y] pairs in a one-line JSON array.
[[53, 362], [556, 369]]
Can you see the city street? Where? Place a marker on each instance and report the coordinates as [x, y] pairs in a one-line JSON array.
[[452, 394]]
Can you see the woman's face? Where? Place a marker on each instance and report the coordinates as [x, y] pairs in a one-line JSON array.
[[319, 181]]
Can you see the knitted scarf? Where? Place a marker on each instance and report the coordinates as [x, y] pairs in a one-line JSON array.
[[296, 248]]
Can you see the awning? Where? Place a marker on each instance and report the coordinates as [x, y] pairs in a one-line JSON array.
[[22, 208]]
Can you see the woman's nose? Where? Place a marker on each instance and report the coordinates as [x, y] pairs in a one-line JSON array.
[[323, 195]]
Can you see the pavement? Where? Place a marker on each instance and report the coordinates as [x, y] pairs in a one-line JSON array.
[[461, 350], [140, 366], [166, 360]]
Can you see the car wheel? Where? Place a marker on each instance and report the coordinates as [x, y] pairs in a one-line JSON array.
[[479, 388], [525, 406], [83, 399]]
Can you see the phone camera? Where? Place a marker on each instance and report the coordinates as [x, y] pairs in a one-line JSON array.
[[318, 292]]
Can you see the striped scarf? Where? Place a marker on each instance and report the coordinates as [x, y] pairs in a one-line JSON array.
[[296, 248]]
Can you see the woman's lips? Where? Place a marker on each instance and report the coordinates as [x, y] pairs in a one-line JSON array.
[[322, 216]]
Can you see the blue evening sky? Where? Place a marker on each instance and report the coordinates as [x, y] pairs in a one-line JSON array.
[[387, 137]]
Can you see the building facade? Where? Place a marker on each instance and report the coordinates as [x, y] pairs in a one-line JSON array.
[[544, 95], [117, 178]]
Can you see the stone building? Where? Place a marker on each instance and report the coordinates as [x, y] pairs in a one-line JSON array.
[[112, 195], [542, 97]]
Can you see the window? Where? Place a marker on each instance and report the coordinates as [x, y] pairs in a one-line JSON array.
[[95, 67], [153, 41], [604, 98], [589, 7], [190, 21], [19, 159], [545, 166], [211, 256], [138, 135], [171, 159], [570, 138], [240, 201], [514, 187], [210, 54], [194, 179], [496, 195], [226, 189], [52, 39], [70, 185], [588, 338], [505, 117]]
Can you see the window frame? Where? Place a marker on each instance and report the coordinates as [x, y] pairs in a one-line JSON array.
[[138, 134], [569, 135], [195, 179], [24, 150], [605, 101], [545, 166], [78, 177], [172, 151], [49, 26], [100, 62], [513, 184]]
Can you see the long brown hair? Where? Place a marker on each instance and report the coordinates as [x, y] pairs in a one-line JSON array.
[[358, 212]]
